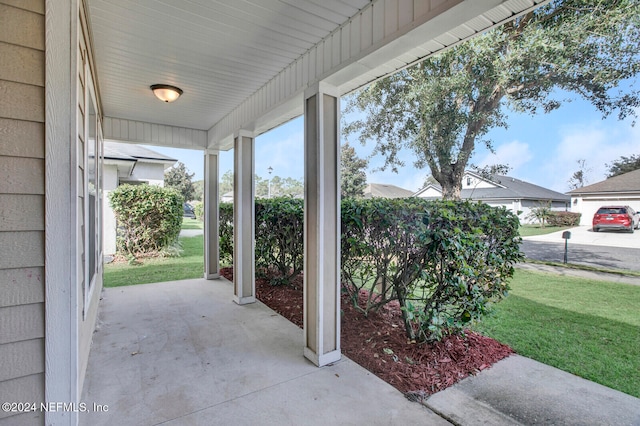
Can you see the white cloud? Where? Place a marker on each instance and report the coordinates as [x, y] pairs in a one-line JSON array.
[[597, 144], [515, 154]]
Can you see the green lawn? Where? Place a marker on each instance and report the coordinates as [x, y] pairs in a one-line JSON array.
[[531, 230], [189, 265], [588, 328], [188, 223]]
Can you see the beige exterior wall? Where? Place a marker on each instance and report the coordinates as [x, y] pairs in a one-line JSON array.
[[22, 112]]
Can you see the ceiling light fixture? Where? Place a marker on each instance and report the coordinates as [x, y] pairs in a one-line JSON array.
[[166, 92]]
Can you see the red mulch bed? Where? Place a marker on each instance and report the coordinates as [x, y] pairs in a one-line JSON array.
[[378, 343]]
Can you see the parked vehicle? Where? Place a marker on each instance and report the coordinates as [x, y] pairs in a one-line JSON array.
[[188, 211], [616, 217]]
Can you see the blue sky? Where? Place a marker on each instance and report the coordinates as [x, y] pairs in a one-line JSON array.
[[542, 149]]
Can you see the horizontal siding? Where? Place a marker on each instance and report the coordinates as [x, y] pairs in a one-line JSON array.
[[20, 359], [25, 389], [21, 138], [21, 175], [22, 152], [20, 212], [24, 322], [36, 6], [21, 101], [21, 27], [21, 249], [26, 65], [21, 286]]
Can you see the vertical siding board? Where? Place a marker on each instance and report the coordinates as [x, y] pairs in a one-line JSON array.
[[378, 22], [366, 30], [405, 12], [354, 36], [345, 42], [391, 17]]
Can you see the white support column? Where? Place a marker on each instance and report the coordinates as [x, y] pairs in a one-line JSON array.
[[211, 216], [321, 224], [244, 271]]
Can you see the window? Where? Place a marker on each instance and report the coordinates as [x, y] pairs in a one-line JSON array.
[[93, 192]]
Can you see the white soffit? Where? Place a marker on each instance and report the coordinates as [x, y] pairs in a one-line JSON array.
[[245, 63]]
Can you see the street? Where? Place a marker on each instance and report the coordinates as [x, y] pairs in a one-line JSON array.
[[591, 255]]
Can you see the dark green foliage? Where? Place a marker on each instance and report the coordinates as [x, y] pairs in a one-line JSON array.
[[442, 107], [353, 172], [198, 210], [279, 237], [225, 226], [179, 178], [563, 219], [149, 218], [443, 261], [624, 165]]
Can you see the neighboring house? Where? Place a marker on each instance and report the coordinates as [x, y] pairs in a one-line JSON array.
[[132, 164], [621, 190], [381, 190], [503, 191]]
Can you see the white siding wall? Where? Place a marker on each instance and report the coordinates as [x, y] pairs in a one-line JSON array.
[[22, 334], [588, 205]]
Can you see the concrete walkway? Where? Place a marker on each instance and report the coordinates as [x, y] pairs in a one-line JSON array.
[[181, 353]]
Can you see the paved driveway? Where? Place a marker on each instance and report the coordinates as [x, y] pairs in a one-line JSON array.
[[584, 235]]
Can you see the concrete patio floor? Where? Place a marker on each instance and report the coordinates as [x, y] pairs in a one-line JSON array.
[[182, 353]]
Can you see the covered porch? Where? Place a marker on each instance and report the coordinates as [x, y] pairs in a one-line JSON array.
[[180, 353]]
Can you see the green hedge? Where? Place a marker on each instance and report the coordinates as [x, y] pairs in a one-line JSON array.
[[444, 262], [149, 218], [563, 219]]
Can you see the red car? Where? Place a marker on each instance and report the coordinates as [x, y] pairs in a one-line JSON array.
[[616, 217]]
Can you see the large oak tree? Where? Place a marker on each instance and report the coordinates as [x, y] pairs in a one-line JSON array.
[[442, 107]]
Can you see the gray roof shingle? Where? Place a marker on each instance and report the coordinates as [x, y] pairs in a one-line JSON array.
[[627, 182]]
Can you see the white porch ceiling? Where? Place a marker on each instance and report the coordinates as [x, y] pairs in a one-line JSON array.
[[239, 61]]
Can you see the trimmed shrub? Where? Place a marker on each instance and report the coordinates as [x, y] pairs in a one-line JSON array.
[[198, 210], [149, 218], [279, 238], [226, 233], [443, 261], [563, 219]]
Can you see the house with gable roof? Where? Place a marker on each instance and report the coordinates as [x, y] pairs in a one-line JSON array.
[[513, 194], [622, 190]]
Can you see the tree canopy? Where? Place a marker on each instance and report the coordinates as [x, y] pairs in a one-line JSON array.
[[353, 172], [441, 107], [178, 177], [624, 165]]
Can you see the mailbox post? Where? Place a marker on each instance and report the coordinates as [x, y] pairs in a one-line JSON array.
[[566, 235]]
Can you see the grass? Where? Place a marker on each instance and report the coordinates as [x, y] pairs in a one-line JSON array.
[[188, 223], [189, 265], [588, 328], [531, 230]]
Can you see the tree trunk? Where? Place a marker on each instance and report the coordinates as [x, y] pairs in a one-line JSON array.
[[451, 185]]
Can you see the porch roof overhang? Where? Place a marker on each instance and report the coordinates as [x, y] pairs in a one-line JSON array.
[[245, 65]]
